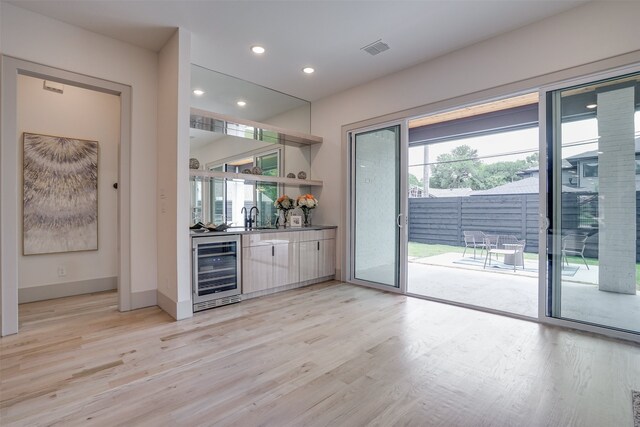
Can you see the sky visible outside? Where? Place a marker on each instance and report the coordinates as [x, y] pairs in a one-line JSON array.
[[517, 145]]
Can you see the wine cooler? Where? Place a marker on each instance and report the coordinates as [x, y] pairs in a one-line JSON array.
[[216, 271]]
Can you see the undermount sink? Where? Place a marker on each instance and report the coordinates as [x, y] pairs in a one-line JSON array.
[[251, 228]]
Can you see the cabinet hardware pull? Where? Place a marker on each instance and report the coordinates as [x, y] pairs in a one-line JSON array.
[[273, 250], [318, 244]]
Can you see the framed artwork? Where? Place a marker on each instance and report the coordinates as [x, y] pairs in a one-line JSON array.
[[296, 221], [60, 194]]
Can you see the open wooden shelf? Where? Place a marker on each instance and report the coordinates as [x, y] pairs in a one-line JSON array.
[[220, 123], [256, 178]]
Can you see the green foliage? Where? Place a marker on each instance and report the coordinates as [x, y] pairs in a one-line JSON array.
[[462, 169], [457, 169], [414, 181]]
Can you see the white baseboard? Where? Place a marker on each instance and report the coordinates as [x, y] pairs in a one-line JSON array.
[[166, 303], [286, 287], [61, 290], [178, 310], [144, 299]]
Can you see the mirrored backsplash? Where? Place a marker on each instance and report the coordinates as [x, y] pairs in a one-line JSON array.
[[221, 94], [223, 146]]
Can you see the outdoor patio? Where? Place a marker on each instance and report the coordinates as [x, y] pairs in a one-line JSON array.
[[454, 277]]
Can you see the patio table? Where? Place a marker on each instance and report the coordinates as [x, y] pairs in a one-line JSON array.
[[513, 259]]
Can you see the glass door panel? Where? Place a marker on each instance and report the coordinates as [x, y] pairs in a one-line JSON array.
[[594, 255], [375, 192]]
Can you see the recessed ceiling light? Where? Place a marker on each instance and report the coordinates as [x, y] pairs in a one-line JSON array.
[[198, 92], [591, 106], [257, 49], [241, 103], [308, 70]]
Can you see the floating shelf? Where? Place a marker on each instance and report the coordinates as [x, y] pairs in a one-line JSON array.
[[256, 178], [220, 123]]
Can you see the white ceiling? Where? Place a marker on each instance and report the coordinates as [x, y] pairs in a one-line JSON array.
[[326, 35]]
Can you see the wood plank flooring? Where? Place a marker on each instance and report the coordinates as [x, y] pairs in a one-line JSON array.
[[329, 354]]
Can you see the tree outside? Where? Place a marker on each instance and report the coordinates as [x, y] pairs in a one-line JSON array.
[[461, 168]]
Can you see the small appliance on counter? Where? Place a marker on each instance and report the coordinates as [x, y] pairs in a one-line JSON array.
[[216, 271]]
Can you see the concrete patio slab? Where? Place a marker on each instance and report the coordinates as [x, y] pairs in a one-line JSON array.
[[443, 277]]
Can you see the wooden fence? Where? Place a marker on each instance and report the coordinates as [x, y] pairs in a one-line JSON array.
[[442, 220]]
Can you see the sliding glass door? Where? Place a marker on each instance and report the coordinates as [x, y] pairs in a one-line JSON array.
[[594, 195], [377, 220]]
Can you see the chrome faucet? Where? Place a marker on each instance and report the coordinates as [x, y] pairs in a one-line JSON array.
[[253, 220], [246, 219], [249, 221]]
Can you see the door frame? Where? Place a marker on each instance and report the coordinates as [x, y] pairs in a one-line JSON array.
[[403, 206], [10, 187], [547, 271]]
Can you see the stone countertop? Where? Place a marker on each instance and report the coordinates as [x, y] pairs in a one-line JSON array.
[[242, 230]]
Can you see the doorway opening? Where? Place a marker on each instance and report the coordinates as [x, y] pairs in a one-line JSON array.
[[92, 142], [69, 139], [473, 206]]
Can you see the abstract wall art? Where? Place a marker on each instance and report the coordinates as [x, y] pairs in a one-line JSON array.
[[60, 196]]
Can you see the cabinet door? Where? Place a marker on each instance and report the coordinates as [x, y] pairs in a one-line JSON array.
[[309, 260], [327, 258], [286, 264], [257, 268]]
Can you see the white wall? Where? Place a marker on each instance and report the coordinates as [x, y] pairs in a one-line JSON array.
[[83, 114], [40, 39], [582, 35], [174, 274]]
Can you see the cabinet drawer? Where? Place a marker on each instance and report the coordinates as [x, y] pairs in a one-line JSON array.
[[262, 239], [310, 235], [329, 234]]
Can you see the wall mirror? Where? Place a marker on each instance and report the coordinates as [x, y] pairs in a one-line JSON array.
[[231, 143]]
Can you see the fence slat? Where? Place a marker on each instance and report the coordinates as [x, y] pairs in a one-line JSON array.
[[442, 220]]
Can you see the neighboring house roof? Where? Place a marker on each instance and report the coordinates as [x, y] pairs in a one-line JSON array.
[[593, 154], [524, 186], [565, 165], [449, 192]]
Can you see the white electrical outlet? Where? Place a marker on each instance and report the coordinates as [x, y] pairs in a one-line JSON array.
[[62, 271]]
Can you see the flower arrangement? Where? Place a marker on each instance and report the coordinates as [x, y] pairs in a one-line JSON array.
[[284, 204], [306, 202]]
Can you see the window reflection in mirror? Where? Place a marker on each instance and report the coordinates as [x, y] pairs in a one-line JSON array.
[[242, 150]]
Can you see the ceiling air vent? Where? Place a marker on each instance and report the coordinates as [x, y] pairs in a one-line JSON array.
[[375, 47]]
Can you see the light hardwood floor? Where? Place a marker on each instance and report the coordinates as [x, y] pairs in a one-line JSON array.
[[329, 354]]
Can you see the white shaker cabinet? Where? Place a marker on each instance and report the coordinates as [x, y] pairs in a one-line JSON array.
[[257, 268], [269, 260], [317, 254]]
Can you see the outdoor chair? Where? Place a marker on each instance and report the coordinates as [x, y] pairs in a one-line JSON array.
[[574, 244], [473, 239], [491, 242], [511, 247]]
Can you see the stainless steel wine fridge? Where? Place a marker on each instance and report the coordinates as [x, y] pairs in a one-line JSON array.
[[216, 271]]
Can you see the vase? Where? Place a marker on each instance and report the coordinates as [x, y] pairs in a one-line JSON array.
[[307, 216], [284, 217]]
